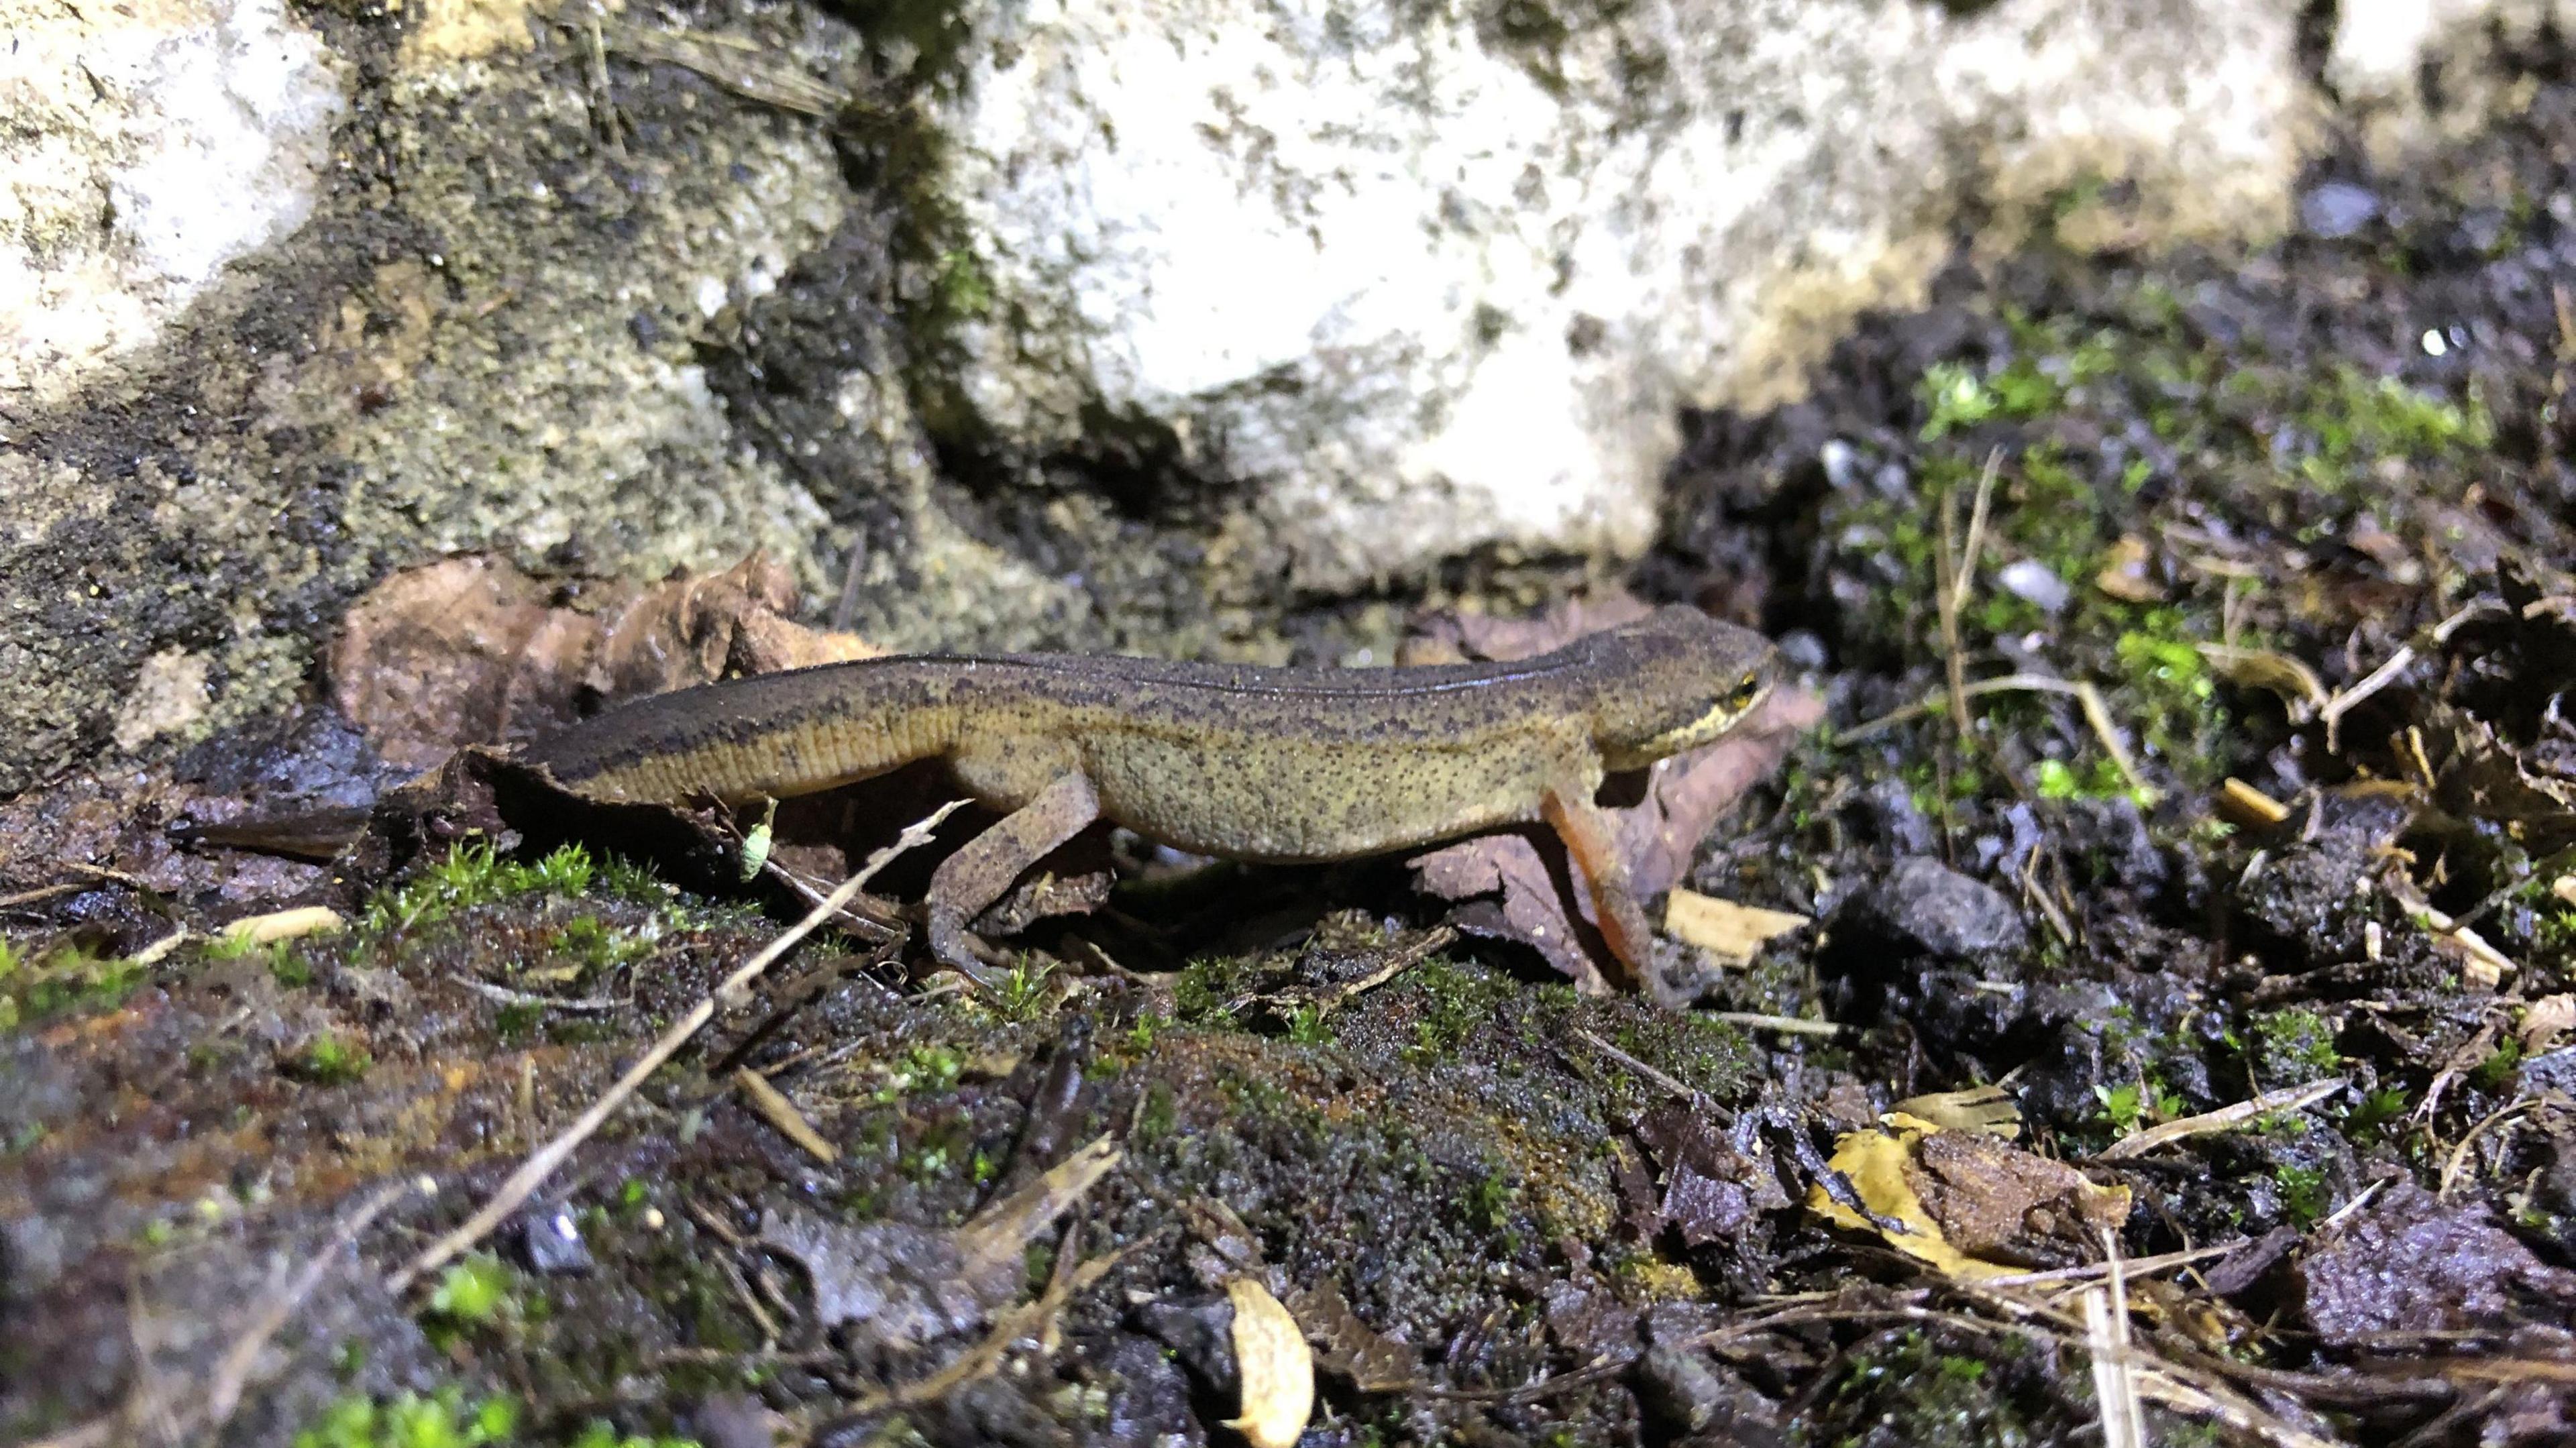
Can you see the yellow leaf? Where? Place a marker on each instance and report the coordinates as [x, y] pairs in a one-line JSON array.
[[1723, 927], [1277, 1369]]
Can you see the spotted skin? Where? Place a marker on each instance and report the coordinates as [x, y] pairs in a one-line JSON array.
[[1228, 760]]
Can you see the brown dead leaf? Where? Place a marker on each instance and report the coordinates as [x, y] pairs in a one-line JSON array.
[[2478, 776], [1457, 638], [1510, 892], [1712, 1190], [902, 1285], [1370, 1360], [1277, 1369], [1657, 836], [1971, 1206], [470, 650], [2545, 1021]]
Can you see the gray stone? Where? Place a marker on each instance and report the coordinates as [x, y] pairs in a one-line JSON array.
[[1923, 907], [2337, 209]]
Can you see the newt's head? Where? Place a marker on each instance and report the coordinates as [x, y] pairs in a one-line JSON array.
[[1675, 680]]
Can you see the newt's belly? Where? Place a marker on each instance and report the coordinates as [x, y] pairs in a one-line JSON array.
[[1251, 798]]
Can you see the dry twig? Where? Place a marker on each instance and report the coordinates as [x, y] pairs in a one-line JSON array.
[[2459, 1160], [2225, 1118], [1785, 1025], [2346, 700], [778, 1111], [543, 1162], [2106, 1337], [2097, 716]]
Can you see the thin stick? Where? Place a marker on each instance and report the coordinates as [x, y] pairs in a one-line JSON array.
[[2097, 714], [2131, 1266], [41, 893], [1950, 589], [2460, 1154], [508, 997], [1964, 576], [780, 1112], [1785, 1025], [2346, 699], [543, 1162], [2225, 1118], [2106, 1335], [1665, 1079], [1438, 939]]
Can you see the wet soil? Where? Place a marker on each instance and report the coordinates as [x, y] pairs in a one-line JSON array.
[[2265, 780]]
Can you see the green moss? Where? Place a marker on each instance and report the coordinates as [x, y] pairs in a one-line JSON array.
[[603, 1434], [471, 875], [65, 981], [2100, 779], [442, 1420], [2352, 420], [473, 1292], [2303, 1193], [288, 966], [1209, 990], [1308, 1025], [327, 1060], [2378, 1116], [1447, 1004], [1943, 1399], [598, 947], [633, 881], [1954, 397], [2495, 1073], [2291, 1046], [1708, 1056], [924, 1068], [2130, 1108], [1159, 1115], [1024, 992], [1489, 1201]]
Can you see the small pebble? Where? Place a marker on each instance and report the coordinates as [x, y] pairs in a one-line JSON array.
[[2035, 582], [1841, 462], [2337, 209]]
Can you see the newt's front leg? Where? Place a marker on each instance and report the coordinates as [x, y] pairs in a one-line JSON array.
[[969, 881], [1593, 847]]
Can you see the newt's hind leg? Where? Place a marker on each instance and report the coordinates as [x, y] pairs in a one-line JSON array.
[[1593, 848], [969, 881]]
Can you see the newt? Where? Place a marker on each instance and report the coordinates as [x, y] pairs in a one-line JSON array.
[[1271, 765]]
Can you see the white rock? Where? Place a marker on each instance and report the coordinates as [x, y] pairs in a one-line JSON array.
[[147, 145], [1428, 291], [2382, 51]]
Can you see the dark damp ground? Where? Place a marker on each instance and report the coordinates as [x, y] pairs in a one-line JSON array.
[[1505, 1214]]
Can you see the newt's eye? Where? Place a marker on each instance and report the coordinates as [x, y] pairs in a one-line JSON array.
[[1745, 694]]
